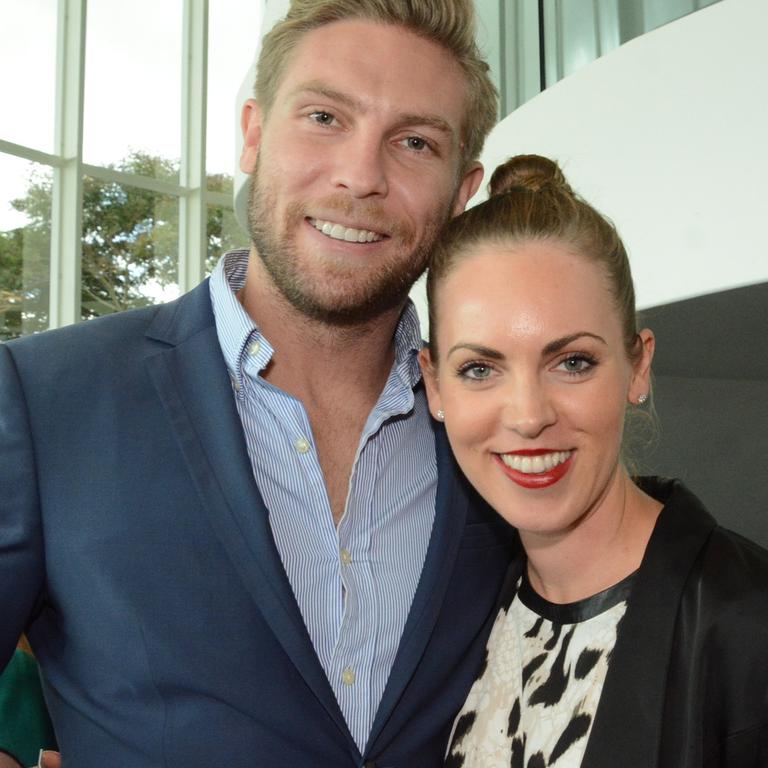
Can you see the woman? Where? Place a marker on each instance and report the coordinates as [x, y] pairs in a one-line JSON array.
[[635, 634]]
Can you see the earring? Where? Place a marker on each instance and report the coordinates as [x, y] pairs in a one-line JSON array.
[[642, 398], [440, 415]]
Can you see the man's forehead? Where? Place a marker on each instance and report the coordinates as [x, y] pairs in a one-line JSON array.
[[366, 64]]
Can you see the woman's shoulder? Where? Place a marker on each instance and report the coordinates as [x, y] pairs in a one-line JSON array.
[[733, 565], [724, 565]]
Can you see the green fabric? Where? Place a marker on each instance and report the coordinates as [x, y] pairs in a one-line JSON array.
[[25, 727]]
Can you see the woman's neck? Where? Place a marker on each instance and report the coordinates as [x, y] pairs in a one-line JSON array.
[[601, 549]]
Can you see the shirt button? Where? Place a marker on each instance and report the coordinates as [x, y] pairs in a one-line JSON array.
[[302, 445], [235, 384], [346, 556], [348, 676], [253, 348]]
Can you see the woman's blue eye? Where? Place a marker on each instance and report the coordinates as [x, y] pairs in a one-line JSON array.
[[475, 371], [577, 364]]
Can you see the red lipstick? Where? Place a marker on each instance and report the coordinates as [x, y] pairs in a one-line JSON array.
[[540, 479]]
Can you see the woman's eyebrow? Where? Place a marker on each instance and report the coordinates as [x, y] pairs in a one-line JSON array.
[[477, 349], [564, 341]]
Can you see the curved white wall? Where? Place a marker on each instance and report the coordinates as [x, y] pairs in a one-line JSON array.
[[667, 135]]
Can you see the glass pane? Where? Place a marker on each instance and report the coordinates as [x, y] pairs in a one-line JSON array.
[[130, 247], [25, 246], [658, 12], [224, 234], [28, 64], [579, 33], [132, 79], [233, 32]]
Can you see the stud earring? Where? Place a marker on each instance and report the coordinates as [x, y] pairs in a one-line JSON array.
[[642, 398], [440, 415]]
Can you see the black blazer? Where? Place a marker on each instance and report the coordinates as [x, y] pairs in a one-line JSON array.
[[687, 685]]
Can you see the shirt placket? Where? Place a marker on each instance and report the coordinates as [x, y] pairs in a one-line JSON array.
[[355, 649], [317, 597]]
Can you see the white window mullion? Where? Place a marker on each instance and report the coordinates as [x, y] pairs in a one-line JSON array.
[[66, 205], [192, 212]]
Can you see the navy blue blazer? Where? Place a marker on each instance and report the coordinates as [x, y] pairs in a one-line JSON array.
[[136, 553]]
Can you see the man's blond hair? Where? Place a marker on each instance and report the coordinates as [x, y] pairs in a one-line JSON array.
[[448, 23]]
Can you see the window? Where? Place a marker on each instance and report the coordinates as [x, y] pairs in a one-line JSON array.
[[115, 186]]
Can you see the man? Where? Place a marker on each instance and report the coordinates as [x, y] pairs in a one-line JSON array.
[[227, 523]]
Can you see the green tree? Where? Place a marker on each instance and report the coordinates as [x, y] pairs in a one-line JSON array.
[[130, 245]]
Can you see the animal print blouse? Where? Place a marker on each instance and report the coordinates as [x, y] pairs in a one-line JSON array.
[[535, 698]]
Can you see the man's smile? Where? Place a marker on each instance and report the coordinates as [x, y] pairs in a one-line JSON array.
[[341, 232]]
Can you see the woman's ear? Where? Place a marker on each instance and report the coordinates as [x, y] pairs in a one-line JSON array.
[[429, 372], [641, 377]]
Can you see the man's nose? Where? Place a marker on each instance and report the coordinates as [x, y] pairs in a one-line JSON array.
[[360, 166]]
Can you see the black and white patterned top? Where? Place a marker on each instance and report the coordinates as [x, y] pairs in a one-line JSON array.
[[535, 698]]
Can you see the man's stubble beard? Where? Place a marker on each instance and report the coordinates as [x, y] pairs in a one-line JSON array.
[[382, 289]]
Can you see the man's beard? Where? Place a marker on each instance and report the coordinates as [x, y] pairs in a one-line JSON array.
[[372, 291]]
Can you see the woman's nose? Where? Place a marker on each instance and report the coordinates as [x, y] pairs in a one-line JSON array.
[[527, 408]]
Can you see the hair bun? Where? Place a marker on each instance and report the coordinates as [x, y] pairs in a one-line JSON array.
[[528, 172]]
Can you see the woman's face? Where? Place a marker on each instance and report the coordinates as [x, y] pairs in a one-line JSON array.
[[534, 380]]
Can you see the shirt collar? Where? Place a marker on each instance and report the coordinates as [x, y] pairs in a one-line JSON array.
[[238, 333], [234, 327]]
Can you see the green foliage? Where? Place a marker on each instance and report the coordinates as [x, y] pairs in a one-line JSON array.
[[130, 245], [24, 266]]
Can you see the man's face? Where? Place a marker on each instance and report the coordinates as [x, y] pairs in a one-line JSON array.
[[356, 168]]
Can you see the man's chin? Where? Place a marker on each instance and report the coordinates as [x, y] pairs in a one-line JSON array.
[[346, 313]]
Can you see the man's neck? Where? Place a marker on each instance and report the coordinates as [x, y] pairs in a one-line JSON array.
[[338, 373], [318, 362]]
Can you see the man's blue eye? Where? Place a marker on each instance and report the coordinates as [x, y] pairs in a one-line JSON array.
[[324, 118], [416, 142]]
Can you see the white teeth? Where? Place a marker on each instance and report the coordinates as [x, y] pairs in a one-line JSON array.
[[535, 465], [348, 234]]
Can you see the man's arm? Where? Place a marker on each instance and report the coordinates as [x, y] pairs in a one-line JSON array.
[[21, 558], [21, 543]]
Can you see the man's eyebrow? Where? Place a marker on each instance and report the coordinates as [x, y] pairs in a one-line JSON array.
[[318, 88], [432, 121], [477, 349], [564, 341]]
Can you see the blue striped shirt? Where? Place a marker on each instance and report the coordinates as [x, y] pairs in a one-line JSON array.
[[354, 585]]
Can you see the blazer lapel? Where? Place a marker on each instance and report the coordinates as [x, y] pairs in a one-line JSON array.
[[627, 727], [450, 516], [192, 381]]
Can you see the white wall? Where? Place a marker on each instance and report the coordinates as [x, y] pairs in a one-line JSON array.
[[668, 136]]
